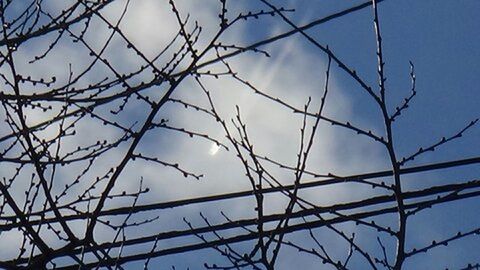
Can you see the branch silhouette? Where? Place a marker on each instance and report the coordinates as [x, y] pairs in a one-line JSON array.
[[88, 112]]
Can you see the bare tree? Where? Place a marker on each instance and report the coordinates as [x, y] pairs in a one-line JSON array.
[[88, 110]]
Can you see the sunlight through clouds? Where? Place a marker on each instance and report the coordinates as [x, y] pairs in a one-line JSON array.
[[214, 149]]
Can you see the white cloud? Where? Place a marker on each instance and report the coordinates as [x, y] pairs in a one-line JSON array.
[[293, 73]]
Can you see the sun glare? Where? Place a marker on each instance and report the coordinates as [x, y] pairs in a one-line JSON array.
[[214, 149]]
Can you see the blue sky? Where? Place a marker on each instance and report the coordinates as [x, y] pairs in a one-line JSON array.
[[441, 39]]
